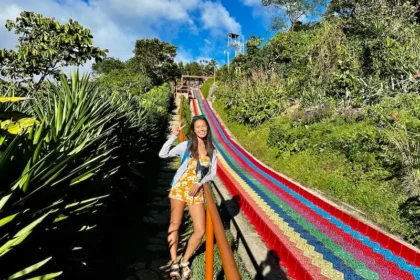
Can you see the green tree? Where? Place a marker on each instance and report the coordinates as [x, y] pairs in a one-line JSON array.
[[252, 44], [346, 8], [193, 68], [155, 59], [124, 80], [289, 12], [181, 67], [45, 46], [170, 72], [107, 65], [203, 64], [208, 67]]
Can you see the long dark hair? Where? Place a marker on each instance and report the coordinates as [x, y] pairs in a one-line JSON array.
[[208, 142]]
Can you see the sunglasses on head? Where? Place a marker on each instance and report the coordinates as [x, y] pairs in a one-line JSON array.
[[199, 117]]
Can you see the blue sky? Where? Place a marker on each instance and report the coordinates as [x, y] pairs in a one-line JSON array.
[[198, 27], [252, 19]]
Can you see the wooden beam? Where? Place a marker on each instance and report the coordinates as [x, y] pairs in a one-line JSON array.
[[196, 77]]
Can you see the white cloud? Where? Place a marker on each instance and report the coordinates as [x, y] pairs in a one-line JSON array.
[[155, 9], [108, 34], [8, 39], [117, 24], [184, 56], [251, 2], [192, 27], [211, 47], [217, 19], [258, 11]]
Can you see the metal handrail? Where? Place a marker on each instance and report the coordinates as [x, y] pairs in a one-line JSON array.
[[181, 133], [229, 265]]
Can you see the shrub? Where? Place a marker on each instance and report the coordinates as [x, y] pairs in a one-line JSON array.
[[251, 103], [125, 80], [401, 110], [408, 147], [360, 142], [312, 115]]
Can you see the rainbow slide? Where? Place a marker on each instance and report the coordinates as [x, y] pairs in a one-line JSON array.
[[312, 238]]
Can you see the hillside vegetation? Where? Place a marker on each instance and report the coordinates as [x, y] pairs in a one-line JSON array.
[[335, 104]]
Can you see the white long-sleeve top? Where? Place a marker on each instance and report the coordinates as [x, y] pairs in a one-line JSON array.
[[178, 151]]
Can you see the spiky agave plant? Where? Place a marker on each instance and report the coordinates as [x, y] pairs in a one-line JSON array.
[[54, 176]]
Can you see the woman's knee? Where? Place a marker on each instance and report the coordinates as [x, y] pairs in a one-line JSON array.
[[200, 232], [173, 234], [172, 239], [174, 226]]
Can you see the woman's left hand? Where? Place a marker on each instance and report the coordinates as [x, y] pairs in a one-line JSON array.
[[193, 191]]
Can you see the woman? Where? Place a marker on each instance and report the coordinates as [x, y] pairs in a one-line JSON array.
[[198, 166]]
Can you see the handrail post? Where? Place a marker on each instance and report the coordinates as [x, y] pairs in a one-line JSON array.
[[181, 133], [229, 265], [209, 247]]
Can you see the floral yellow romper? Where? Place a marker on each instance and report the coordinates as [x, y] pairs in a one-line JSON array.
[[180, 190]]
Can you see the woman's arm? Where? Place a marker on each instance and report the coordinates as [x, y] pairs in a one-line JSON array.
[[177, 151], [210, 176]]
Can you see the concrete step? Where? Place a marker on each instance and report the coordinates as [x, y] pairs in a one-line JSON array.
[[154, 263]]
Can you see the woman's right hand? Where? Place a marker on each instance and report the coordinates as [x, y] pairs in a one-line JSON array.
[[176, 129]]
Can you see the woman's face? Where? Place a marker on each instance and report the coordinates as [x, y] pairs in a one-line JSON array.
[[200, 128]]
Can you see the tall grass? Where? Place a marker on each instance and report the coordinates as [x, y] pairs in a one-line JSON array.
[[408, 147]]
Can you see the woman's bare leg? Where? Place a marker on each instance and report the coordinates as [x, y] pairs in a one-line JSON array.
[[199, 222], [177, 212]]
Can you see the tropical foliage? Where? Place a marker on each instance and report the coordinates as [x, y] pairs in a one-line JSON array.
[[126, 80], [107, 65], [155, 59], [81, 149], [343, 94], [74, 154], [288, 13], [152, 65]]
